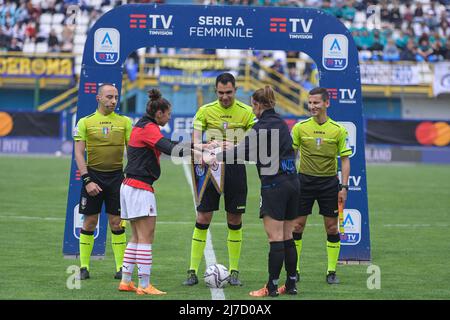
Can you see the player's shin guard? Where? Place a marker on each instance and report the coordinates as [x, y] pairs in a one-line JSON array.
[[129, 261], [298, 246], [198, 245], [234, 242], [333, 248], [276, 259], [290, 262], [119, 243], [86, 246]]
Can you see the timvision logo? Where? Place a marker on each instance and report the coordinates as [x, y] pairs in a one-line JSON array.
[[297, 28], [157, 24]]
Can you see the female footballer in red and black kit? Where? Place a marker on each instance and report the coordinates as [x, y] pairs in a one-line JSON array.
[[137, 195], [279, 188]]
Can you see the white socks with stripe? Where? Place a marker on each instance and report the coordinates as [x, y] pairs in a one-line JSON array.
[[144, 263], [129, 260]]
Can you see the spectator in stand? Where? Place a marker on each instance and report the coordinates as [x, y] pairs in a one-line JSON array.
[[42, 34], [444, 29], [19, 31], [424, 49], [408, 14], [390, 51], [348, 11], [418, 12], [377, 46], [30, 31], [292, 57], [409, 53], [53, 42], [385, 14], [279, 69], [396, 17], [421, 28], [14, 45], [446, 50], [404, 37]]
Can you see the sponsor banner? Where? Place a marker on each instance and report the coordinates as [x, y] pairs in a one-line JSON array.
[[390, 74], [29, 124], [24, 145], [441, 83], [36, 67], [408, 132], [190, 72]]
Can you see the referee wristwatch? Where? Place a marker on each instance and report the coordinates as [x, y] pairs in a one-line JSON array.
[[344, 186]]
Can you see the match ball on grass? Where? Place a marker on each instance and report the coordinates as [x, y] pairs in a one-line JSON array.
[[216, 276]]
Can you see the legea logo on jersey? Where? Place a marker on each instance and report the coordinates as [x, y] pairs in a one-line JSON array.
[[335, 52], [106, 46], [221, 27], [352, 227], [351, 139], [296, 27], [78, 221]]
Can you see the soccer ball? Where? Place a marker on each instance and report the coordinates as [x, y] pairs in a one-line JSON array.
[[216, 276]]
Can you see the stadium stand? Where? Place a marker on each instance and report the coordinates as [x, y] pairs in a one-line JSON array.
[[391, 32]]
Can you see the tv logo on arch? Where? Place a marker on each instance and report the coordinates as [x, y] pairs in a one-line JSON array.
[[159, 25], [298, 28]]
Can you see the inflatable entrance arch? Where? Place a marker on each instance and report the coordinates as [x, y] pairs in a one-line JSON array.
[[324, 38]]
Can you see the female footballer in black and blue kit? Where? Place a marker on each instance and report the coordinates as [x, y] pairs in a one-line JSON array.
[[279, 188]]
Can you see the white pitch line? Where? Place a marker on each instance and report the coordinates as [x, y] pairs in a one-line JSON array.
[[416, 225], [210, 256]]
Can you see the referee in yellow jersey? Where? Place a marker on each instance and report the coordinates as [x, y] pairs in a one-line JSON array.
[[103, 135], [223, 119], [320, 140]]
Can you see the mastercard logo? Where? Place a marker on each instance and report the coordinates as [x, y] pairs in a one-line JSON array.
[[429, 133], [6, 124]]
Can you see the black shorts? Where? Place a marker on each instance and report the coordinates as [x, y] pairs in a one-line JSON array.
[[110, 183], [235, 191], [323, 189], [280, 200]]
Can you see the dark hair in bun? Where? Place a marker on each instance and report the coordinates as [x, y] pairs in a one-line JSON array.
[[156, 102]]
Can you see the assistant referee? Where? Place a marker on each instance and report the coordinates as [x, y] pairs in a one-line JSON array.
[[103, 135], [320, 140]]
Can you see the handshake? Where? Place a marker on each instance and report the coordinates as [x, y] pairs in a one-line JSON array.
[[205, 153]]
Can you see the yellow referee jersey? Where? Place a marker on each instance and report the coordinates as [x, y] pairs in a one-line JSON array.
[[224, 123], [105, 137], [319, 146]]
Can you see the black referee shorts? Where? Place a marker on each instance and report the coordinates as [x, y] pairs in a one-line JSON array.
[[323, 189], [280, 199], [110, 183], [235, 191]]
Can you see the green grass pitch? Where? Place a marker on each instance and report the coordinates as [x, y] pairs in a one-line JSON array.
[[409, 222]]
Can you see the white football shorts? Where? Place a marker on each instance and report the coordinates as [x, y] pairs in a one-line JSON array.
[[136, 203]]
